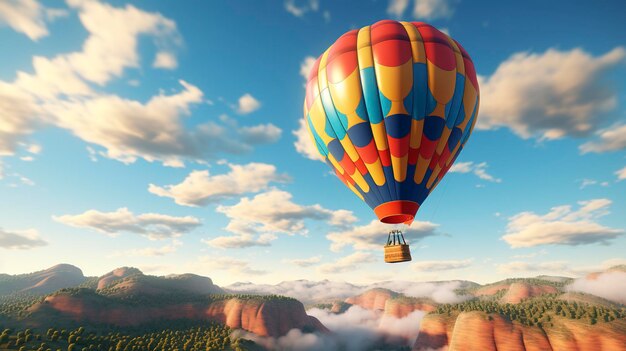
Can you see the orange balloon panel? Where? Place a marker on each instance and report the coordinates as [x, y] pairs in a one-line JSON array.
[[390, 107]]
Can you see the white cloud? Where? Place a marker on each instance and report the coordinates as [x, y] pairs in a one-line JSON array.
[[240, 241], [260, 134], [432, 9], [152, 225], [273, 212], [479, 169], [24, 16], [550, 95], [154, 131], [304, 262], [247, 104], [373, 236], [149, 251], [621, 174], [165, 60], [228, 264], [20, 239], [422, 9], [609, 285], [304, 143], [306, 66], [301, 7], [561, 226], [347, 263], [200, 188], [19, 117], [558, 267], [397, 7], [611, 139], [311, 291], [440, 265]]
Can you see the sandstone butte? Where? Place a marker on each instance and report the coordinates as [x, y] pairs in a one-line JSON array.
[[393, 304], [264, 317], [478, 331]]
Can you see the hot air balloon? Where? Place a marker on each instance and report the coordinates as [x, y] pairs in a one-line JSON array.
[[390, 107]]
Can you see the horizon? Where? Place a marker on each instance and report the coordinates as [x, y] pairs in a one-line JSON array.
[[169, 137]]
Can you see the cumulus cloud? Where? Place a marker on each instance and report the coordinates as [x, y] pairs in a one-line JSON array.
[[155, 226], [621, 174], [240, 241], [306, 66], [20, 115], [200, 188], [165, 60], [26, 16], [299, 8], [440, 265], [609, 285], [422, 9], [372, 236], [260, 134], [562, 226], [304, 143], [153, 131], [247, 104], [20, 239], [304, 262], [272, 212], [552, 94], [347, 263], [610, 139], [62, 91], [479, 169]]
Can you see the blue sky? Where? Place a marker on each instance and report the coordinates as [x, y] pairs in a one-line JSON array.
[[166, 135]]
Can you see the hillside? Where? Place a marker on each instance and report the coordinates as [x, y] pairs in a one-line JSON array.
[[261, 315], [41, 282]]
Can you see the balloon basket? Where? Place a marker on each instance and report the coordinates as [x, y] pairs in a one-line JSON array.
[[396, 249]]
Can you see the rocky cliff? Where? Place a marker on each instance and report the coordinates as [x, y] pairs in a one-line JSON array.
[[263, 316], [490, 332]]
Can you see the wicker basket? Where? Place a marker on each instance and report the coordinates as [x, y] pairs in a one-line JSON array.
[[397, 253]]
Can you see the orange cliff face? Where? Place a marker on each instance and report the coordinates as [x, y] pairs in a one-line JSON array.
[[262, 317], [393, 304], [478, 331], [374, 299]]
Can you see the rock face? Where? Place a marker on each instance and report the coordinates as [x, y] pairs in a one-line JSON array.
[[264, 317], [373, 299], [478, 331], [390, 302], [42, 282], [402, 307], [520, 291]]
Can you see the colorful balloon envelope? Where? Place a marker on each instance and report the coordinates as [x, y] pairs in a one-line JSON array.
[[390, 107]]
